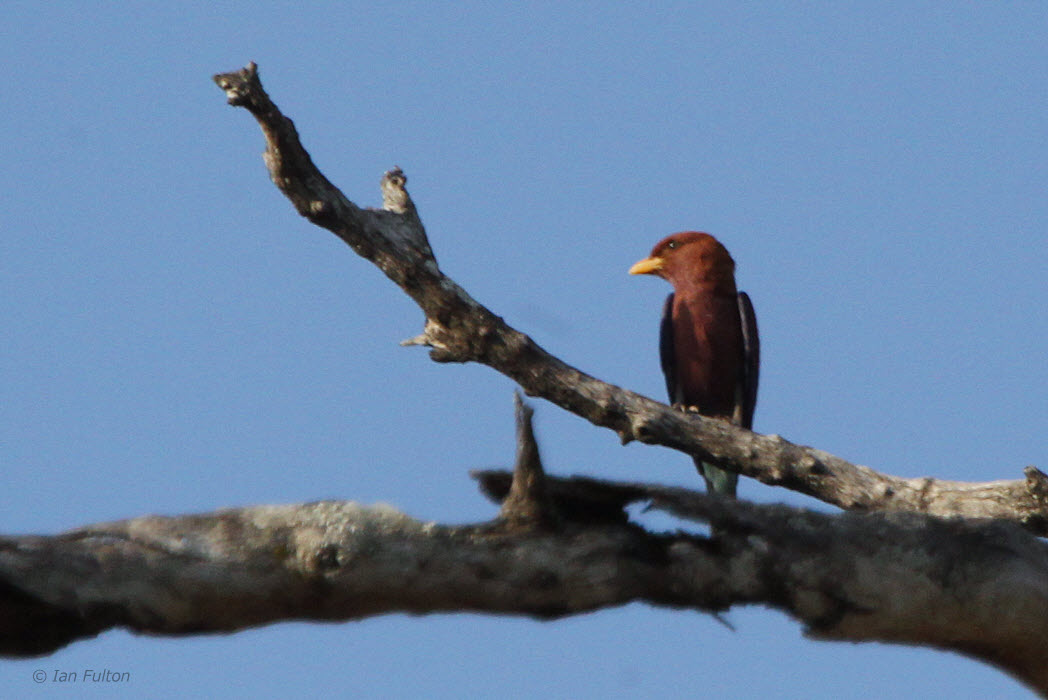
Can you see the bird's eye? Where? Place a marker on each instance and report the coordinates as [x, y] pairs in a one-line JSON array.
[[673, 244]]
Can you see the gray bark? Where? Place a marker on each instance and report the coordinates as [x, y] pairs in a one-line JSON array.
[[951, 565]]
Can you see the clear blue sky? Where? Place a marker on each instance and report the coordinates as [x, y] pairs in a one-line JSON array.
[[176, 339]]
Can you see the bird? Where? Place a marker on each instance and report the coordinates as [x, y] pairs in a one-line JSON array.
[[708, 343]]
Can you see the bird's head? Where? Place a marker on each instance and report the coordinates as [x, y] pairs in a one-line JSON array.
[[690, 258]]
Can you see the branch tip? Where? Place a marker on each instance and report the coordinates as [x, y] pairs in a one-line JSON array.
[[395, 197], [239, 84], [420, 339], [527, 504]]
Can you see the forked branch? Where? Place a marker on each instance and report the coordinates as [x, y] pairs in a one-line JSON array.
[[896, 572], [459, 329]]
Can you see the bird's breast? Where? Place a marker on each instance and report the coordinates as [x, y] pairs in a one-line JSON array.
[[707, 342]]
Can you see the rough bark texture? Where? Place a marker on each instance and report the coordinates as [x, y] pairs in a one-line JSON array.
[[951, 565], [972, 586], [459, 329]]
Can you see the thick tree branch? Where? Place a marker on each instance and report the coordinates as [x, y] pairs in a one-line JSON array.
[[976, 587], [458, 329], [559, 546]]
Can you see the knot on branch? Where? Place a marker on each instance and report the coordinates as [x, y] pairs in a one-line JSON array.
[[327, 558], [643, 427], [396, 200], [1037, 487], [394, 195]]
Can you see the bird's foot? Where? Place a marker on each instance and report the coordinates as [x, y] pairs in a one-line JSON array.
[[687, 409]]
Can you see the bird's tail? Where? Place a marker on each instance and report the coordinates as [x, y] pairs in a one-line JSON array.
[[717, 480]]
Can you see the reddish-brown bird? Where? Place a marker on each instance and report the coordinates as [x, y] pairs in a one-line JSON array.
[[708, 340]]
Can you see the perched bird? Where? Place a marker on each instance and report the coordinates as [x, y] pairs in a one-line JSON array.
[[708, 340]]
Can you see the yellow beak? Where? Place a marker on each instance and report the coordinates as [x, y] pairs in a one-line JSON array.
[[647, 266]]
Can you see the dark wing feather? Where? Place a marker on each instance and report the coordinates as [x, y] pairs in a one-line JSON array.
[[666, 354], [751, 359]]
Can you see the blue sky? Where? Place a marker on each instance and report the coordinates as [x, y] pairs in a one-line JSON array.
[[176, 339]]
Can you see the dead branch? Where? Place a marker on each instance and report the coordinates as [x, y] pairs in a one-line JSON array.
[[976, 587], [559, 546], [459, 329]]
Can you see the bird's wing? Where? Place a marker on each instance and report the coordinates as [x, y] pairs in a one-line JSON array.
[[666, 355], [751, 359]]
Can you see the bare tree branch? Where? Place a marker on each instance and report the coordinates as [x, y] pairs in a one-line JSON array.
[[459, 329], [838, 573], [976, 587], [559, 546]]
